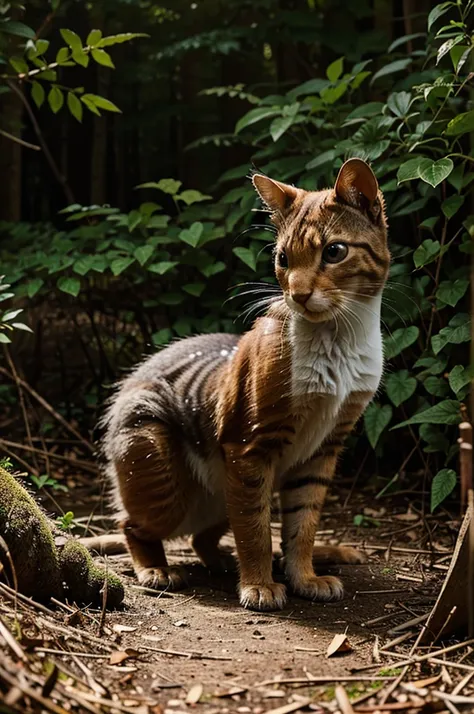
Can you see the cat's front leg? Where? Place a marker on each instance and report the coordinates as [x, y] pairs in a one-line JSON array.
[[302, 496], [249, 493]]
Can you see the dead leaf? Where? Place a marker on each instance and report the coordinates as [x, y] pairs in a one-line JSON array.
[[194, 694], [123, 628], [339, 645], [421, 683], [230, 692], [120, 656], [408, 516]]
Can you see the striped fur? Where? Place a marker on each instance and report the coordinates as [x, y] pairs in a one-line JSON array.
[[200, 435]]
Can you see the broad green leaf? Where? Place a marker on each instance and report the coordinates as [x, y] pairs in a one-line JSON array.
[[4, 339], [460, 377], [451, 291], [246, 256], [330, 95], [447, 46], [213, 269], [101, 102], [255, 115], [376, 419], [434, 437], [83, 265], [22, 326], [55, 99], [171, 299], [452, 205], [459, 55], [366, 110], [120, 38], [461, 124], [143, 253], [437, 12], [457, 331], [134, 219], [426, 252], [437, 386], [279, 126], [192, 234], [19, 29], [11, 314], [162, 337], [71, 286], [191, 196], [163, 267], [71, 39], [38, 94], [63, 55], [94, 37], [392, 67], [326, 157], [19, 65], [399, 103], [74, 106], [170, 186], [436, 172], [90, 105], [443, 484], [80, 57], [102, 57], [34, 286], [195, 289], [446, 412], [399, 340], [400, 386], [334, 70], [406, 38], [120, 264]]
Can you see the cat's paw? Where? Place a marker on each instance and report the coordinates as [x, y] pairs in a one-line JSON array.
[[337, 554], [322, 588], [263, 597], [165, 578]]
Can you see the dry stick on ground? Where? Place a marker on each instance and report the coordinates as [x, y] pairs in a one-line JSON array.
[[85, 465], [343, 700], [21, 399], [49, 408]]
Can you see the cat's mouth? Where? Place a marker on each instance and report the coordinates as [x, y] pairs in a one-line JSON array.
[[317, 309]]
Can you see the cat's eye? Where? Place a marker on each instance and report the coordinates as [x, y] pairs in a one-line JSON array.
[[282, 259], [335, 252]]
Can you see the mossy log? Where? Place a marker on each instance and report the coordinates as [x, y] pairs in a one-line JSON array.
[[47, 562]]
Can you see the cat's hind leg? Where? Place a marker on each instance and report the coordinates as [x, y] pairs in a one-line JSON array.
[[206, 546], [150, 479]]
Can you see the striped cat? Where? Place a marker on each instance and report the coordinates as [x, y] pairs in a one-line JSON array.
[[200, 435]]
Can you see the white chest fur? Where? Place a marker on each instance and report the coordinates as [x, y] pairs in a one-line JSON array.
[[331, 361]]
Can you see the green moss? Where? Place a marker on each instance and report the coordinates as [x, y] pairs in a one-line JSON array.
[[47, 563]]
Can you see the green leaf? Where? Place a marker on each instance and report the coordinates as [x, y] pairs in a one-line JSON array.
[[451, 291], [399, 103], [3, 338], [400, 387], [80, 57], [432, 172], [376, 419], [134, 220], [163, 267], [170, 186], [437, 12], [399, 340], [446, 412], [460, 377], [452, 205], [71, 286], [19, 29], [447, 46], [405, 38], [55, 99], [162, 337], [120, 264], [255, 115], [71, 39], [191, 196], [456, 332], [461, 124], [63, 55], [94, 37], [392, 67], [426, 252], [334, 70], [19, 65], [120, 38], [246, 256], [330, 95], [84, 264], [143, 253], [38, 94], [195, 289], [102, 57], [192, 234], [443, 484], [210, 270], [22, 326], [11, 314], [279, 126], [171, 299], [34, 286], [74, 106], [436, 386], [101, 102]]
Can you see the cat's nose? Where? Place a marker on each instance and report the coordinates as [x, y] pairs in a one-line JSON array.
[[300, 297]]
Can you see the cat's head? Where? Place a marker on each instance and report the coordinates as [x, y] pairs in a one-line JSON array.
[[331, 247]]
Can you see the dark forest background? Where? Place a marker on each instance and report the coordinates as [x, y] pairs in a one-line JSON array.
[[187, 104]]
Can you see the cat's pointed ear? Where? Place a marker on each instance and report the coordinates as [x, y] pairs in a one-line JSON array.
[[277, 196], [357, 186]]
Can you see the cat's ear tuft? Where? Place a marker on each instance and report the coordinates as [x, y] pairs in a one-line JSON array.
[[276, 195], [357, 186]]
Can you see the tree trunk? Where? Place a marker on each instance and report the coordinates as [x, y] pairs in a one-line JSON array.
[[11, 111]]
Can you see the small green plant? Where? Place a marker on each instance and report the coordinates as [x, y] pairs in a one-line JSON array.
[[65, 521], [6, 463], [365, 521], [8, 322], [46, 480]]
